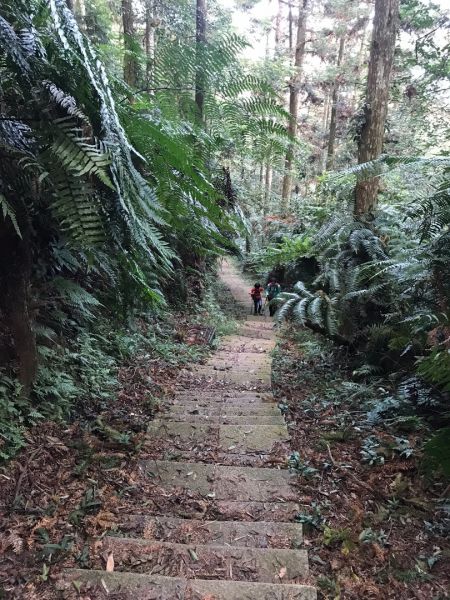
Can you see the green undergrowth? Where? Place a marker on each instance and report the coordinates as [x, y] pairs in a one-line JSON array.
[[79, 376], [371, 469], [398, 405]]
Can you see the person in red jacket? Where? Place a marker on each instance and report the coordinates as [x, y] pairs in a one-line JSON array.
[[256, 294]]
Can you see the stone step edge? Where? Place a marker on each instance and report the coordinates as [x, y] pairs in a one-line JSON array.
[[279, 556], [222, 589], [267, 507], [289, 529], [217, 419]]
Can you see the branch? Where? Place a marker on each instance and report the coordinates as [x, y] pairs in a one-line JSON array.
[[157, 89]]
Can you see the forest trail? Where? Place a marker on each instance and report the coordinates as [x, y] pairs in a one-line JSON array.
[[218, 521]]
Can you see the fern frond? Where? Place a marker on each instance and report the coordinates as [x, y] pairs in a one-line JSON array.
[[301, 289], [315, 311], [77, 209], [9, 213], [12, 46], [65, 101], [78, 156]]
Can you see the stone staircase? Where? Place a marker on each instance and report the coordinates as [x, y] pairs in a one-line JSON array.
[[221, 446]]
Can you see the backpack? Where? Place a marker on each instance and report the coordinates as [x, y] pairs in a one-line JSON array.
[[273, 289]]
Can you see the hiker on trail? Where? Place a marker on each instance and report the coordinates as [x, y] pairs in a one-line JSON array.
[[256, 294], [272, 290]]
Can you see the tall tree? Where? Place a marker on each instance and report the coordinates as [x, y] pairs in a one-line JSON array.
[[149, 40], [370, 145], [200, 38], [334, 104], [129, 58], [15, 283], [278, 19], [294, 86]]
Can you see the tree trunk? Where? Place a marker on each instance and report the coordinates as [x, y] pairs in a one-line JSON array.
[[291, 31], [129, 59], [334, 101], [268, 187], [278, 26], [149, 42], [200, 38], [79, 10], [293, 105], [375, 110], [261, 182], [15, 271], [361, 58], [326, 110]]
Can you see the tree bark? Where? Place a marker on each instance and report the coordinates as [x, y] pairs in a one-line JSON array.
[[278, 26], [15, 272], [334, 100], [291, 31], [129, 60], [149, 41], [268, 187], [79, 10], [370, 144], [326, 110], [293, 105], [200, 38], [360, 62]]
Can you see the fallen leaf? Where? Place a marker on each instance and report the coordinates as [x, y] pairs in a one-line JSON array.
[[110, 563], [282, 572], [193, 555]]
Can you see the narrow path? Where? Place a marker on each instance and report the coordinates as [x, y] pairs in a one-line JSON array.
[[217, 523]]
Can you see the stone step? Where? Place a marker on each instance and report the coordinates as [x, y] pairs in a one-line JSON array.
[[246, 345], [241, 439], [232, 510], [228, 361], [227, 419], [189, 506], [262, 534], [223, 402], [278, 458], [214, 384], [250, 332], [264, 322], [248, 376], [263, 396], [182, 434], [134, 586], [205, 561], [191, 407], [222, 482], [221, 396], [238, 439], [228, 349]]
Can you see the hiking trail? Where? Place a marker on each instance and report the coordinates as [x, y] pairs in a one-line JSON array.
[[217, 523]]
